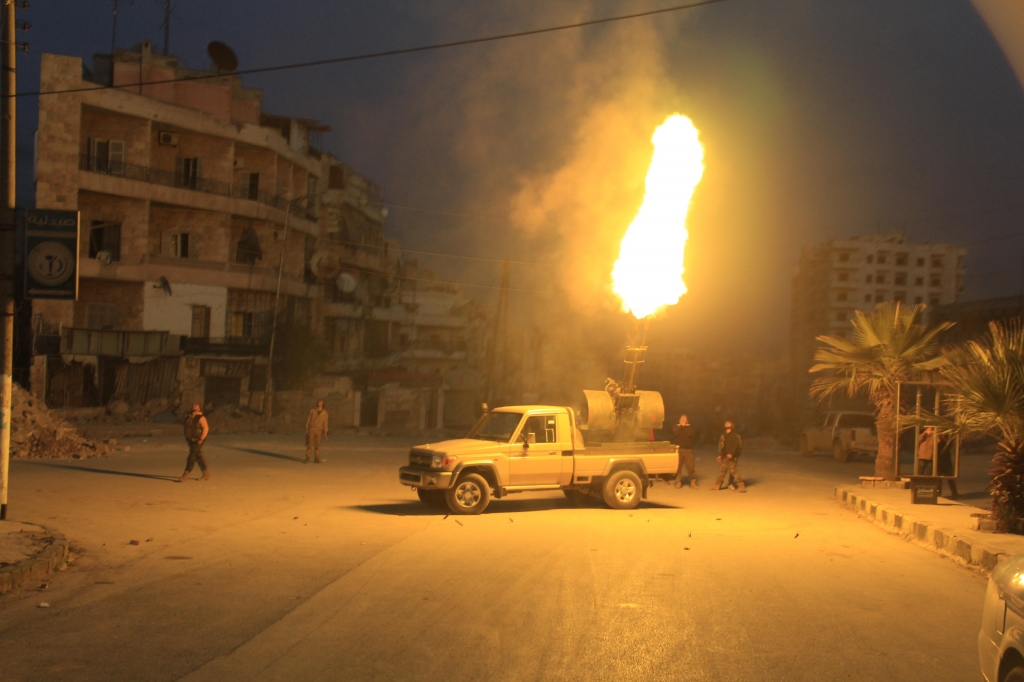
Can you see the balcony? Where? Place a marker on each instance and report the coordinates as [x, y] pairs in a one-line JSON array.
[[229, 345], [155, 176]]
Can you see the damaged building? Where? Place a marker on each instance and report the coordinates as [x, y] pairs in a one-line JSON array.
[[203, 219]]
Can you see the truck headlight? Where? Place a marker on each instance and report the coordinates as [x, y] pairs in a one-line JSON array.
[[441, 461]]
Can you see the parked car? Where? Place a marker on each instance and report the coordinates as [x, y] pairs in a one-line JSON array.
[[1001, 639], [842, 433]]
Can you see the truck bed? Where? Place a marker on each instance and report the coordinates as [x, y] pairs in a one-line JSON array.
[[659, 457]]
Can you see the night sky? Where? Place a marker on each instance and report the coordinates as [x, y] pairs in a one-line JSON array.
[[820, 118]]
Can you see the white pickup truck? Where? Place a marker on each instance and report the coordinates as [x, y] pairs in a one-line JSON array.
[[530, 448]]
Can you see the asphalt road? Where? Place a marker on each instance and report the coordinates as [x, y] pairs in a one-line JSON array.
[[276, 570]]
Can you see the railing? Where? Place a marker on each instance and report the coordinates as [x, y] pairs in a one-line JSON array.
[[232, 345], [155, 176]]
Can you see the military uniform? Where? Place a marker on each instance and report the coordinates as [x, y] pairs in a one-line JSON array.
[[316, 428], [196, 430], [730, 443], [684, 434]]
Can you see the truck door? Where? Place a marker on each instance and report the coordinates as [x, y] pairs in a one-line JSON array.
[[541, 463]]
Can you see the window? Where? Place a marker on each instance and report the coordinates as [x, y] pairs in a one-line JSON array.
[[900, 279], [881, 258], [879, 297], [901, 259], [867, 298], [857, 421], [918, 299], [871, 259], [919, 281], [187, 170], [542, 426], [200, 322], [844, 257], [843, 277], [106, 156], [936, 261], [840, 316], [936, 281], [247, 250], [249, 186], [880, 278], [869, 279], [243, 325], [920, 262], [180, 245], [900, 296], [105, 237], [101, 315], [934, 300], [841, 296]]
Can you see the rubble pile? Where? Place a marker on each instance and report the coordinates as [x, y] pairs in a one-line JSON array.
[[37, 433]]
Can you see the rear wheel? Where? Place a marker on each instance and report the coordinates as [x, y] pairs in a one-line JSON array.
[[622, 490], [1015, 674], [434, 498], [469, 495], [805, 446], [839, 452]]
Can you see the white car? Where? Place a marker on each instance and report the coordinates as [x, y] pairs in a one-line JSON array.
[[841, 433], [1001, 640]]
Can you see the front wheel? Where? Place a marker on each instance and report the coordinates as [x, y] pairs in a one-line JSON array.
[[470, 495], [839, 452], [433, 498], [622, 490]]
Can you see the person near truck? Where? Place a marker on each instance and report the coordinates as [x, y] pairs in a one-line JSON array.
[[684, 434], [196, 431], [730, 447], [316, 430]]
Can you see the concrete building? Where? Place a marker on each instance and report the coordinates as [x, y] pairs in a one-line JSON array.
[[840, 276], [971, 318], [194, 204]]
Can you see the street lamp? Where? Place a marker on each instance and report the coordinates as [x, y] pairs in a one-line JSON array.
[[269, 397]]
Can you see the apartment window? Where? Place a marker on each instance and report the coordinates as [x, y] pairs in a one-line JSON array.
[[843, 277], [250, 185], [881, 259], [200, 322], [869, 279], [880, 278], [879, 298], [841, 296], [247, 250], [871, 259], [101, 315], [901, 259], [187, 171], [180, 245], [920, 262], [936, 261], [840, 316], [243, 324], [106, 156], [936, 281], [867, 298], [844, 257], [919, 281], [918, 299], [900, 279], [900, 296], [934, 300], [105, 237]]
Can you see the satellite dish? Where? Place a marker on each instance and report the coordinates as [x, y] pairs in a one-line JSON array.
[[325, 262], [165, 285], [346, 283], [224, 59], [104, 257]]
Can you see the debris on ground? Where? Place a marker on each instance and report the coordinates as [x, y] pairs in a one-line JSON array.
[[39, 434]]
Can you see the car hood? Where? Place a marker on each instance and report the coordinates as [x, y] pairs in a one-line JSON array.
[[464, 446]]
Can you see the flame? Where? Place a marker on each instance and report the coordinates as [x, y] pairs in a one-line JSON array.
[[649, 272]]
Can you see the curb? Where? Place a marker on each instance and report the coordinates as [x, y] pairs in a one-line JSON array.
[[52, 558], [962, 549]]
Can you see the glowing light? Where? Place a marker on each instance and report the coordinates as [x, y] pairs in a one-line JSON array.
[[649, 272]]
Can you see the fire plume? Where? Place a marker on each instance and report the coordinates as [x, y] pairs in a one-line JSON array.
[[649, 272]]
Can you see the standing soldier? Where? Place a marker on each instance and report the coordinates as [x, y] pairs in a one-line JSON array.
[[730, 447], [316, 429], [684, 433], [196, 431]]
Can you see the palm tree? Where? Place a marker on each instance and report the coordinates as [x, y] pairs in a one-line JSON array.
[[987, 398], [889, 346]]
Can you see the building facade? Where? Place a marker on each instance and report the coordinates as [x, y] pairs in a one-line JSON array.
[[838, 277], [203, 221]]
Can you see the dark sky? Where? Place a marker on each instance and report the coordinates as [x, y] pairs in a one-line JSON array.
[[820, 118]]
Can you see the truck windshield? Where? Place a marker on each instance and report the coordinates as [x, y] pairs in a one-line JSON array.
[[498, 426]]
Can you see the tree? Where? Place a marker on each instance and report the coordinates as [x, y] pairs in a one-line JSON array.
[[888, 346], [986, 379]]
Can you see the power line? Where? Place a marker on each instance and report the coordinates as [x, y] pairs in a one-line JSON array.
[[390, 53]]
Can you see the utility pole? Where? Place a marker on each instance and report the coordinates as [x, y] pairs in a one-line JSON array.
[[497, 351], [167, 27], [7, 176]]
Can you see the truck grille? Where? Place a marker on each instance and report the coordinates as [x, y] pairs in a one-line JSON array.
[[420, 458]]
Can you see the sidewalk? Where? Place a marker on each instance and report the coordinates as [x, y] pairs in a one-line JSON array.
[[28, 553], [945, 527]]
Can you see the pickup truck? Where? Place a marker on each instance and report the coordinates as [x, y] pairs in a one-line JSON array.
[[531, 448], [842, 433]]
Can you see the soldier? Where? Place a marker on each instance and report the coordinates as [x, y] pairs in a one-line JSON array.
[[730, 447], [196, 431], [316, 428], [684, 433]]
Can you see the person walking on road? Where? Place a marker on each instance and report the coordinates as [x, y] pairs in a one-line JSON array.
[[316, 429], [196, 431], [684, 433], [730, 447]]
